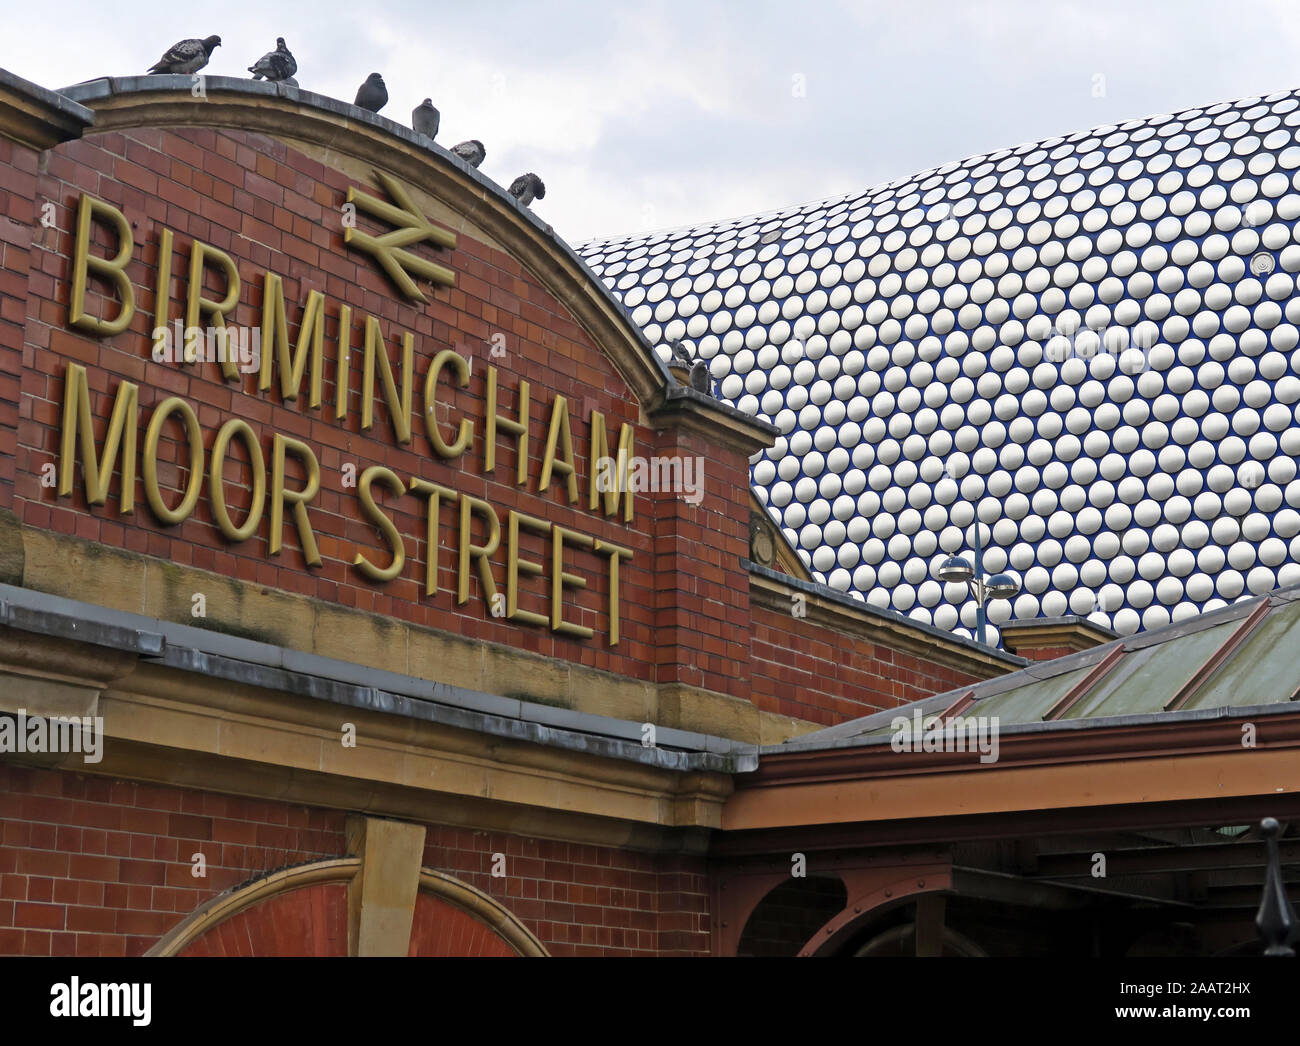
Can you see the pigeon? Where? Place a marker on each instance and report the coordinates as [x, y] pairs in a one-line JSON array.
[[275, 65], [472, 152], [372, 94], [527, 188], [679, 352], [186, 56], [424, 119], [701, 380]]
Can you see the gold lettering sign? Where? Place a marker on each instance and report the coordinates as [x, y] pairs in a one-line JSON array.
[[111, 269], [567, 560]]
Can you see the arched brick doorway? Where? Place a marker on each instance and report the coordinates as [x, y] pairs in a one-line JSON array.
[[304, 911]]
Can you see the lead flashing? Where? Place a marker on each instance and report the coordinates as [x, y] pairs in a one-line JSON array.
[[314, 676]]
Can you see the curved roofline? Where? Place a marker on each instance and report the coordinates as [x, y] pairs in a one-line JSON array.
[[1000, 153], [120, 103]]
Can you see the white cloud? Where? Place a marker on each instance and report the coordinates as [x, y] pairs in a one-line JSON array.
[[672, 112]]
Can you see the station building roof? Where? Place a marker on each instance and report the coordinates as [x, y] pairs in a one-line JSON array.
[[1235, 662]]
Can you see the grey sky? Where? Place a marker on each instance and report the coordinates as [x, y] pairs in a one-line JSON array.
[[660, 114]]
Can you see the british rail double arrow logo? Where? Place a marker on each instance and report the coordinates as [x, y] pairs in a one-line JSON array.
[[410, 227]]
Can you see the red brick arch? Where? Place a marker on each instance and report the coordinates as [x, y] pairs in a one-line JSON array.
[[441, 929], [303, 911], [311, 921]]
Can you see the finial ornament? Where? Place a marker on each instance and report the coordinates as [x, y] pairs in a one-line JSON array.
[[1275, 919]]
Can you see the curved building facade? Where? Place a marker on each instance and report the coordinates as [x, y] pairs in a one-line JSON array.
[[1086, 343]]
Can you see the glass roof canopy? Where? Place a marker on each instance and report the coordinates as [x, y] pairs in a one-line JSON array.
[[1242, 656]]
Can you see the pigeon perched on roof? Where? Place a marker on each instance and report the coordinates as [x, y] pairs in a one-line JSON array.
[[186, 56], [275, 65], [472, 152], [701, 379], [425, 118], [372, 94], [527, 188], [680, 353]]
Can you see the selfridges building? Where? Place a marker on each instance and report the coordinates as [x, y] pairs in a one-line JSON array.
[[1087, 343]]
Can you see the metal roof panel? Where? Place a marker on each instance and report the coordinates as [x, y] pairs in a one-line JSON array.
[[1264, 670]]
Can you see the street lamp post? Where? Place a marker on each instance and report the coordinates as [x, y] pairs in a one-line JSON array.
[[982, 587]]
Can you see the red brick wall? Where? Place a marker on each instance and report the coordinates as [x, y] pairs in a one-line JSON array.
[[94, 866], [702, 596], [810, 671], [18, 223], [271, 207], [581, 899]]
